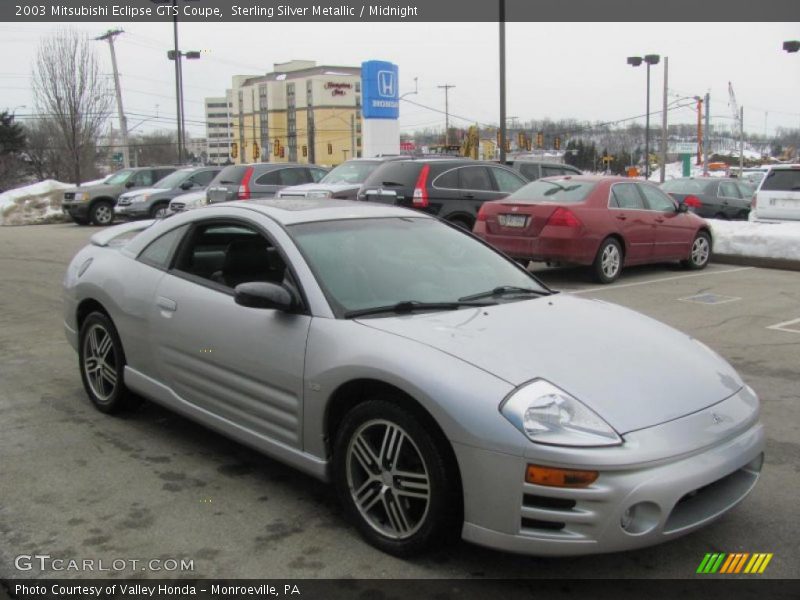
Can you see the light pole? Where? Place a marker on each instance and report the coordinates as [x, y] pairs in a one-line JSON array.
[[177, 55], [446, 87], [635, 61]]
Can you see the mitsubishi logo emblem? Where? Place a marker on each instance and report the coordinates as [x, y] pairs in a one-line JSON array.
[[717, 418], [386, 84]]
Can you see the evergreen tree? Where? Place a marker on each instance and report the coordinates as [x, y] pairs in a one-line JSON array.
[[12, 135]]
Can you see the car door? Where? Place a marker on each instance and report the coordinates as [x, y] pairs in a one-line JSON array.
[[266, 184], [506, 181], [633, 222], [673, 230], [242, 365], [476, 187], [730, 200]]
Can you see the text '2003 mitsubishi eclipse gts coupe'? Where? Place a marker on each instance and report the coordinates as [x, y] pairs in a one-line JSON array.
[[441, 387]]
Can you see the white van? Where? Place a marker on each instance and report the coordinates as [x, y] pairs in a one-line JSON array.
[[778, 195]]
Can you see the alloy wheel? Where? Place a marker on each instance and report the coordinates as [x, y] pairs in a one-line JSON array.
[[103, 214], [100, 362], [700, 250], [610, 261], [388, 479]]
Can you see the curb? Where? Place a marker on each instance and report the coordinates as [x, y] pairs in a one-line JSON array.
[[784, 264]]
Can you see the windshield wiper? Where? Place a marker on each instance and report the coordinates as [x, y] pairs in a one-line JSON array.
[[505, 290], [408, 306]]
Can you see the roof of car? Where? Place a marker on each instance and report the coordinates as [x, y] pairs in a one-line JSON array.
[[290, 211]]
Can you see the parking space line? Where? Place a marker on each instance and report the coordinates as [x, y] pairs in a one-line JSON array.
[[785, 326], [663, 279]]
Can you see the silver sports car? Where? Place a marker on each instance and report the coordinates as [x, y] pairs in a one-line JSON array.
[[442, 388]]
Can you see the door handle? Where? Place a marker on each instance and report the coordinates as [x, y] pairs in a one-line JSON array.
[[622, 217], [469, 196], [166, 304]]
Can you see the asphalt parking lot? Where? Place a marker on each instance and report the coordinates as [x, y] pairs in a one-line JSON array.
[[75, 483]]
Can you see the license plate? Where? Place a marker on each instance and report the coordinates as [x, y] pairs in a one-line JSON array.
[[783, 202], [513, 220]]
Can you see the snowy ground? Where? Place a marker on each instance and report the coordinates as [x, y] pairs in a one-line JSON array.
[[35, 203], [762, 240]]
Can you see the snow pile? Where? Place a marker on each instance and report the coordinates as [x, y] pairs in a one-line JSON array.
[[762, 240], [674, 170], [36, 203]]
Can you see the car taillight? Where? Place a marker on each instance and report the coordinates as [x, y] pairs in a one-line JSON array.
[[563, 217], [420, 196], [244, 187], [753, 202], [692, 201], [482, 213]]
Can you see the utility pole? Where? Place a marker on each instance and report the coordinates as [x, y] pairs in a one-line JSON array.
[[663, 175], [741, 140], [502, 22], [123, 122], [446, 87], [708, 134], [178, 83], [352, 135], [700, 143]]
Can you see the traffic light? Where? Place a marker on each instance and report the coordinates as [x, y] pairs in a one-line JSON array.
[[521, 139], [557, 143], [234, 150], [330, 148], [256, 151], [508, 145], [540, 140], [283, 151], [305, 150], [498, 137], [528, 145]]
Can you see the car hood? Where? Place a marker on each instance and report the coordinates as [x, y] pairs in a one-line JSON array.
[[632, 370], [333, 188], [190, 198], [97, 188], [140, 191]]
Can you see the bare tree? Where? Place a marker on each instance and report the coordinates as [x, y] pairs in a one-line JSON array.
[[46, 161], [70, 90]]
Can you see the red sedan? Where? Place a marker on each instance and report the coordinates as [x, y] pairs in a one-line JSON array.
[[605, 222]]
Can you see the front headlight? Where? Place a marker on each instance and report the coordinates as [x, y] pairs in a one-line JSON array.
[[84, 197], [549, 415], [140, 198], [319, 194]]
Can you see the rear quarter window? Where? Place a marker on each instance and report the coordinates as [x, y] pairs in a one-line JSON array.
[[232, 174], [782, 180], [402, 174]]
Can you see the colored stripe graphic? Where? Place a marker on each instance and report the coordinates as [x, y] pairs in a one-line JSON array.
[[723, 563], [741, 562], [711, 563], [732, 558]]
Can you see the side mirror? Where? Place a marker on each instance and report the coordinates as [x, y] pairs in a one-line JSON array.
[[682, 208], [262, 294], [129, 183], [187, 185]]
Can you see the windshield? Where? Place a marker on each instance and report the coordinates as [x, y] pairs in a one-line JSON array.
[[350, 172], [174, 179], [685, 186], [119, 177], [367, 263], [561, 191]]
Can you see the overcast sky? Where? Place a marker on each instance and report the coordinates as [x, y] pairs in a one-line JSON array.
[[555, 70]]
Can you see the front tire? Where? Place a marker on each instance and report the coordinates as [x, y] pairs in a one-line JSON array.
[[102, 363], [608, 262], [393, 480], [700, 253], [160, 211], [102, 213]]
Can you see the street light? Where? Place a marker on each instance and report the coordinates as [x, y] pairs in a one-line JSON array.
[[189, 55], [635, 61], [791, 46]]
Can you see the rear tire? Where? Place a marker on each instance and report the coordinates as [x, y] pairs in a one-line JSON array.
[[102, 364], [700, 253], [393, 479], [607, 264], [102, 213]]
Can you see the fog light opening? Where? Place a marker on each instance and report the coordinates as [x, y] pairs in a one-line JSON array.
[[640, 518]]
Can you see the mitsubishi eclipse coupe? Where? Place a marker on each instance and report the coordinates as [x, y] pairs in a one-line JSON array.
[[442, 388]]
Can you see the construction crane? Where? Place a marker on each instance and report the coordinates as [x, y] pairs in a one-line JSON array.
[[738, 119]]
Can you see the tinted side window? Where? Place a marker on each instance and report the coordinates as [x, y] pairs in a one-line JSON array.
[[728, 189], [782, 180], [656, 199], [293, 176], [447, 180], [551, 171], [268, 178], [161, 173], [159, 252], [745, 190], [475, 178], [317, 174], [143, 178], [506, 180], [624, 195], [203, 178], [530, 171]]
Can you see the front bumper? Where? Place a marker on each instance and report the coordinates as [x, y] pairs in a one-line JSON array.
[[672, 498], [132, 211], [78, 209]]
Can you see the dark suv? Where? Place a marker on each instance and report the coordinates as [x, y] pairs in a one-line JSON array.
[[452, 189]]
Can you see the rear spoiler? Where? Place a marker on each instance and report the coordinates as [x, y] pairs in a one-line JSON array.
[[105, 237]]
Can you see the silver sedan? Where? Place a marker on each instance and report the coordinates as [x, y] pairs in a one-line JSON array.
[[442, 389]]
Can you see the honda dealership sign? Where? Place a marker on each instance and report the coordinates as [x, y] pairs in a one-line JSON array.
[[380, 90], [380, 107]]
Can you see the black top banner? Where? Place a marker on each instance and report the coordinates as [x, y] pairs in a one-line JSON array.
[[217, 11]]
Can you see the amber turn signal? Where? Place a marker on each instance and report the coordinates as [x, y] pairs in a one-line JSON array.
[[559, 477]]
